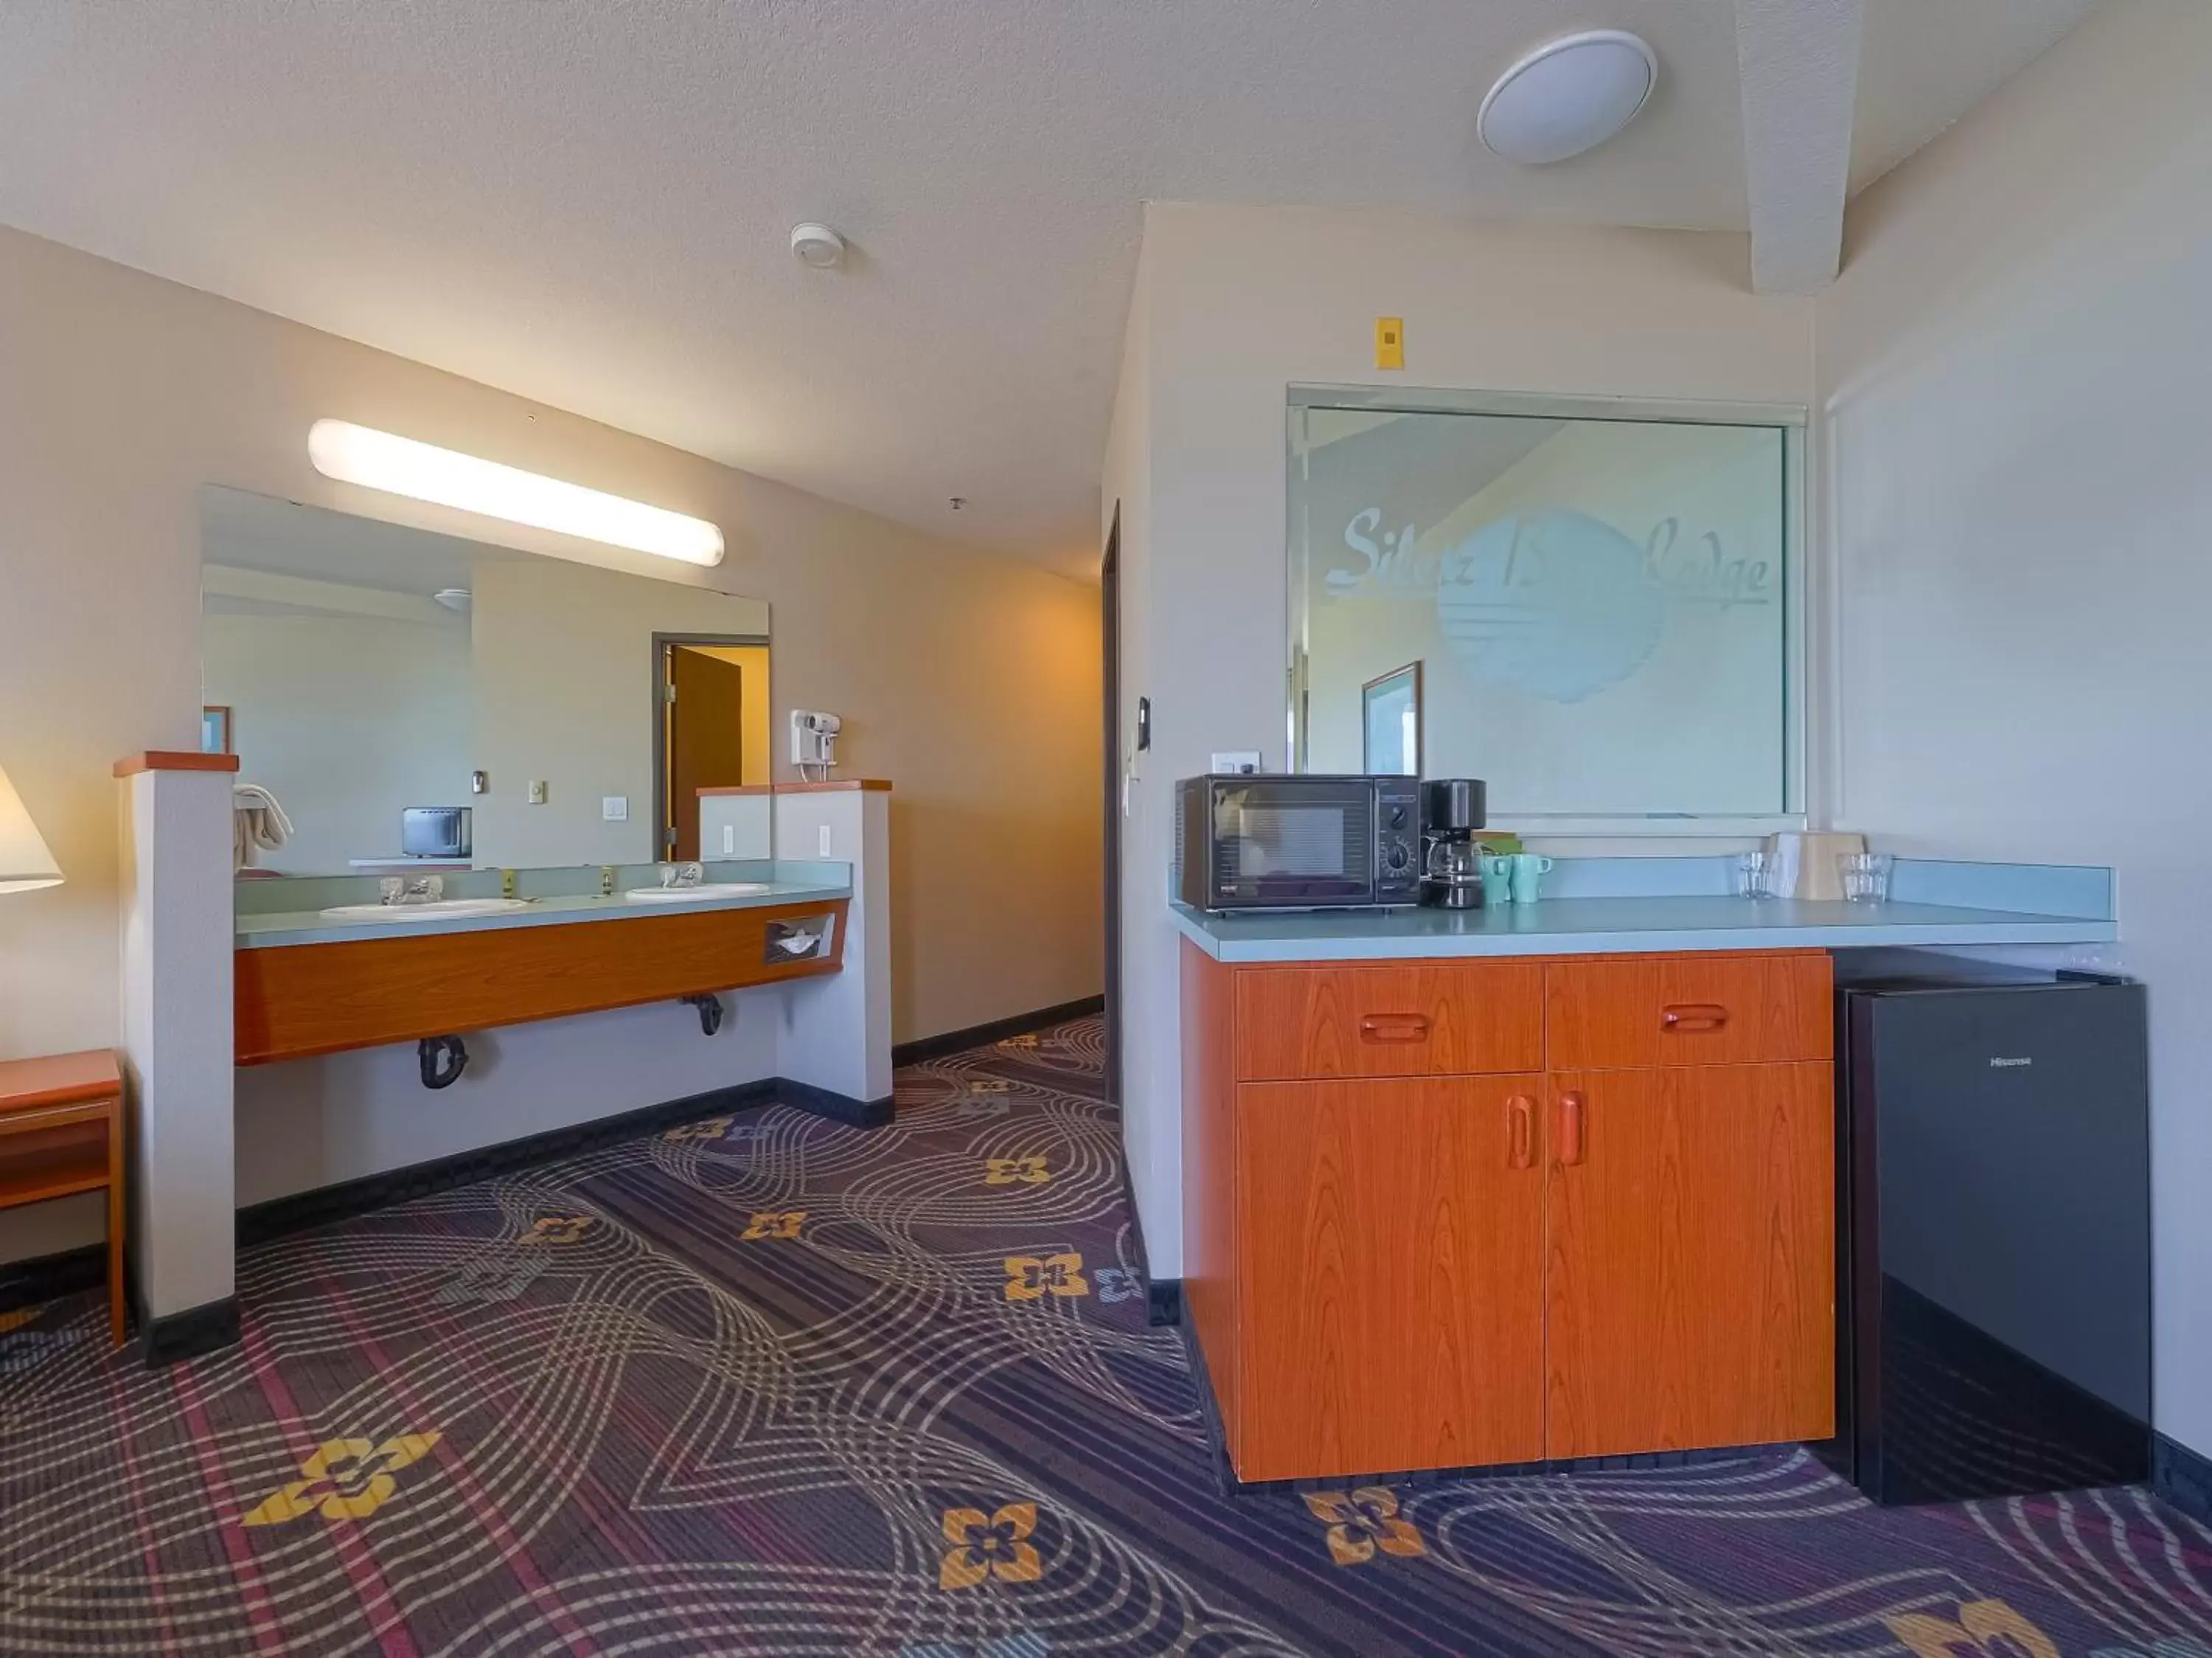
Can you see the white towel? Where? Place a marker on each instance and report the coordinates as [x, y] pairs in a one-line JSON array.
[[257, 821]]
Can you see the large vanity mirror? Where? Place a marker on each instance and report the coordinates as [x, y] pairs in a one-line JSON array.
[[1590, 605], [416, 703]]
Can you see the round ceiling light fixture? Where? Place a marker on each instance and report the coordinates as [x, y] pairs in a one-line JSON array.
[[1568, 96], [819, 246], [457, 598]]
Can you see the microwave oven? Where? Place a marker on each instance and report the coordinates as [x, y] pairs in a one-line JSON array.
[[1249, 841], [435, 832]]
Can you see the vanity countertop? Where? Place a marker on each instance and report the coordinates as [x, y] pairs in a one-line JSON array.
[[1598, 926], [312, 927]]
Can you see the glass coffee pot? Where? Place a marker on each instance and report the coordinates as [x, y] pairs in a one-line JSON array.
[[1451, 867], [1453, 873]]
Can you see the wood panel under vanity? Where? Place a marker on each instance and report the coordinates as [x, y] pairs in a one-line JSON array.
[[1451, 1214], [297, 1001]]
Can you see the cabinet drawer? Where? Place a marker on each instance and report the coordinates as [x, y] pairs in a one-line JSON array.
[[1688, 1010], [1438, 1019]]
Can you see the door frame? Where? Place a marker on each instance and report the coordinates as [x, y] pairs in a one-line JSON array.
[[661, 642], [1109, 633]]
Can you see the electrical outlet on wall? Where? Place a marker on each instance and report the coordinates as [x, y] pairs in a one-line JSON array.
[[1234, 759], [537, 791], [729, 838], [823, 842], [614, 808]]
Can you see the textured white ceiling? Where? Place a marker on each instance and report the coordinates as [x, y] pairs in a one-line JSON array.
[[587, 202]]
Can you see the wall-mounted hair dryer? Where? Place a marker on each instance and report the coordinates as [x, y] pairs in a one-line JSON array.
[[814, 739]]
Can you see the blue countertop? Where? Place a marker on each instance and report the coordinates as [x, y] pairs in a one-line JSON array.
[[1594, 926], [262, 931]]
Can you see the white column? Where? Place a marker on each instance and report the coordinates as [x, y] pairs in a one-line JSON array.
[[177, 935], [837, 1029]]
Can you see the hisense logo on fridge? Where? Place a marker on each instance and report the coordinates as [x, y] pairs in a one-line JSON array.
[[1997, 1062]]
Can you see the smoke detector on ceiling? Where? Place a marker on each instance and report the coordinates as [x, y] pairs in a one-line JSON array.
[[1568, 96], [819, 246]]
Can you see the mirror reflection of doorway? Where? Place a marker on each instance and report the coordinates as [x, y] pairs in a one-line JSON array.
[[711, 697]]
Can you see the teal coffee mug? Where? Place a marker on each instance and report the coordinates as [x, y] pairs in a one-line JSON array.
[[1497, 880], [1527, 869]]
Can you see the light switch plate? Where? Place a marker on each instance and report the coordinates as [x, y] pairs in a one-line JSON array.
[[824, 841], [729, 838], [537, 791], [614, 808], [1234, 759]]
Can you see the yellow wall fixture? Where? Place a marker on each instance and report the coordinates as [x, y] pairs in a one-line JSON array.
[[379, 460], [25, 863]]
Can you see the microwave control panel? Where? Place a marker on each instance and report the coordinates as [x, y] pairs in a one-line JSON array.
[[1397, 840]]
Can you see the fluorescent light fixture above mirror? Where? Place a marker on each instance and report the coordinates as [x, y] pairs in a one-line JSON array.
[[400, 466]]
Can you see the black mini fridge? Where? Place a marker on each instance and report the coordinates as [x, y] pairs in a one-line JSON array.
[[1993, 1232]]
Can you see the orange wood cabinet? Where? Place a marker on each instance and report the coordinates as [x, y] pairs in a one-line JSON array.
[[1441, 1214], [296, 1001], [61, 1133]]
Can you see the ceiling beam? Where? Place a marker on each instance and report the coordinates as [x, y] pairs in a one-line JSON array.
[[1799, 61]]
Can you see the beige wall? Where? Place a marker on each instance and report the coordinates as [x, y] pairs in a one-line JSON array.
[[564, 695], [967, 678], [1236, 304], [2013, 373]]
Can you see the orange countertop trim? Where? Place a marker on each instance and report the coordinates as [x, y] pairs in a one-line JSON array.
[[881, 784], [65, 1079], [164, 760]]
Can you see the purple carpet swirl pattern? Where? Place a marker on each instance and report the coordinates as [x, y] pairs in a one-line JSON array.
[[761, 1384]]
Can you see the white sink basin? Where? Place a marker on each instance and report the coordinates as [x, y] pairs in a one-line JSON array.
[[444, 908], [694, 894]]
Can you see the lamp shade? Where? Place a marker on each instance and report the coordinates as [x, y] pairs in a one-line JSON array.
[[25, 863]]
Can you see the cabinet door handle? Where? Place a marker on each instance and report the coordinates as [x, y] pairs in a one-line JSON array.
[[1690, 1018], [1571, 1127], [1521, 1146], [1395, 1028]]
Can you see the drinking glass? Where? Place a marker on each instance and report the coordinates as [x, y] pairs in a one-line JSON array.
[[1756, 873], [388, 890], [1865, 875]]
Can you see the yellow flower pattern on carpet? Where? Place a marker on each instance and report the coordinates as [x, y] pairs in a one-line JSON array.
[[556, 1229], [1983, 1629], [1360, 1522], [771, 1223], [344, 1479], [1015, 1171], [996, 1545], [1030, 1278]]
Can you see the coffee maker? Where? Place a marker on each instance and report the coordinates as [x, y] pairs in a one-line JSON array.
[[1451, 857]]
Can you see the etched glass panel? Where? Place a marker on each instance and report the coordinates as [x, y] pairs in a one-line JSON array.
[[1597, 607]]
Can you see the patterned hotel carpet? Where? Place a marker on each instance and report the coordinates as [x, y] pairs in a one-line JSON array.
[[771, 1385]]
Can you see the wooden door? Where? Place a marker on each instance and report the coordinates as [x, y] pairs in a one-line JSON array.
[[1391, 1309], [705, 740], [1690, 1263]]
